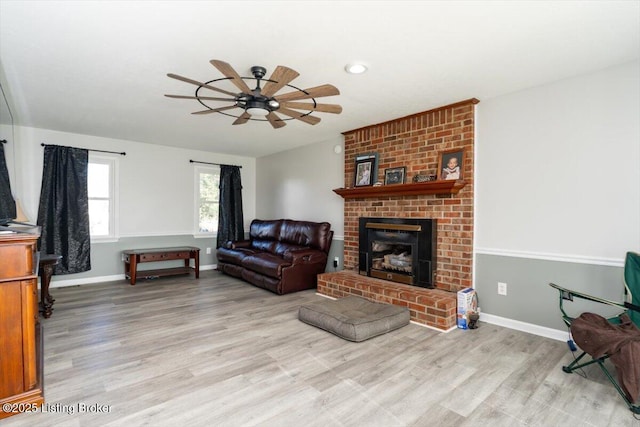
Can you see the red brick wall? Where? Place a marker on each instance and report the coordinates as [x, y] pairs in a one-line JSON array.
[[415, 142]]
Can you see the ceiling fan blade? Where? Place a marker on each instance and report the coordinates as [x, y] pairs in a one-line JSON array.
[[206, 98], [283, 76], [314, 92], [324, 108], [299, 116], [228, 71], [215, 110], [275, 121], [197, 83], [244, 118]]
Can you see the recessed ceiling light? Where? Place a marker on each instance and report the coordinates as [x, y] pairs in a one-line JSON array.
[[355, 68]]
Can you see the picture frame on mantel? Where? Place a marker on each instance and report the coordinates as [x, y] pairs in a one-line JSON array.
[[394, 175], [451, 164], [366, 169]]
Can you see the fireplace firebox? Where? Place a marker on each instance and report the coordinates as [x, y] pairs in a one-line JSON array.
[[398, 249]]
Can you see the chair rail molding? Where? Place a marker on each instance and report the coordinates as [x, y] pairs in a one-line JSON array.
[[578, 259]]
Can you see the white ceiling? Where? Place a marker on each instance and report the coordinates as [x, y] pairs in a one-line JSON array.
[[99, 68]]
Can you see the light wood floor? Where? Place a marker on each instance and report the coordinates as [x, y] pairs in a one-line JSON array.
[[217, 351]]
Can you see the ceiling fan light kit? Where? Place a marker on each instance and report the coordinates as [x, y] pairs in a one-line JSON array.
[[257, 111], [262, 102]]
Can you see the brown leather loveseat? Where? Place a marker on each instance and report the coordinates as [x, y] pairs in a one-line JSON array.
[[281, 255]]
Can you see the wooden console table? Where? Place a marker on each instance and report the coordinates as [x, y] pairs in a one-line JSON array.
[[133, 257]]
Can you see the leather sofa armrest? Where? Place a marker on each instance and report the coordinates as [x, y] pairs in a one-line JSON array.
[[238, 244], [300, 256]]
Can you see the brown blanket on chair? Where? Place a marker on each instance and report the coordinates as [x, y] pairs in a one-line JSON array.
[[598, 337]]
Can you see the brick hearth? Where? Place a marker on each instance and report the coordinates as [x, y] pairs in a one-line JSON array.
[[431, 307]]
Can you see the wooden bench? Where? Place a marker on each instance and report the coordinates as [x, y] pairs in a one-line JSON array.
[[133, 257]]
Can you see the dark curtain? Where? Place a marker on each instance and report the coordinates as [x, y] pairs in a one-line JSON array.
[[230, 219], [7, 204], [64, 208]]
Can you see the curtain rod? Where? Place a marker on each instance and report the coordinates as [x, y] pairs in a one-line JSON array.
[[4, 141], [88, 149], [216, 164]]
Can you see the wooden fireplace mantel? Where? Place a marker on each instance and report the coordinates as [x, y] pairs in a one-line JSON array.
[[411, 189]]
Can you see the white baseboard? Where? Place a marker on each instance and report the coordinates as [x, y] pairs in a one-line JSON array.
[[98, 280], [542, 331], [56, 283], [435, 329]]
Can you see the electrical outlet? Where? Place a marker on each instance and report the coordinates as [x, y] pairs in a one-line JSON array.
[[502, 288], [208, 251], [336, 262]]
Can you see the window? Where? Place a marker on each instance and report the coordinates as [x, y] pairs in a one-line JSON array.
[[101, 189], [207, 199]]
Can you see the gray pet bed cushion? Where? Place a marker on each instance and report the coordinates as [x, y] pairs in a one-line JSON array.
[[354, 318]]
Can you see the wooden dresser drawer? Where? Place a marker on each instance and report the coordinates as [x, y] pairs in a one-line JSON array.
[[21, 264], [164, 256]]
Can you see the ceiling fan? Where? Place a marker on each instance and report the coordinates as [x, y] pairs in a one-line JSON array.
[[263, 102]]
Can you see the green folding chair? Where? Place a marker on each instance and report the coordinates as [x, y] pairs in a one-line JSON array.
[[631, 307]]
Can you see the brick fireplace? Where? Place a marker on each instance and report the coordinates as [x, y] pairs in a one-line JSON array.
[[414, 142]]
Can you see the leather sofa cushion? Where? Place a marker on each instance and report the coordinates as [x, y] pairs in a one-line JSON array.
[[265, 230], [231, 269], [282, 248], [264, 245], [264, 234], [261, 281], [234, 256], [304, 233], [265, 263]]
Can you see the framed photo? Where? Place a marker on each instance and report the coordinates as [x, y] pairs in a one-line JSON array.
[[394, 175], [450, 164], [366, 170]]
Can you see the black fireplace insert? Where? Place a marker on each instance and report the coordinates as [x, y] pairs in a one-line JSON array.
[[398, 249]]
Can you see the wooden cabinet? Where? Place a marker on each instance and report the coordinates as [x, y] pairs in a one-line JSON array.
[[20, 330]]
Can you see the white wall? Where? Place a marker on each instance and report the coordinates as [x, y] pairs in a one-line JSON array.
[[557, 196], [156, 194], [298, 184], [558, 169]]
